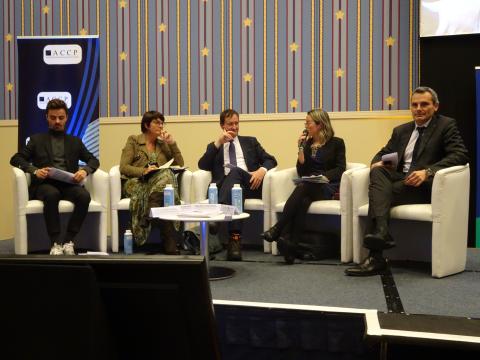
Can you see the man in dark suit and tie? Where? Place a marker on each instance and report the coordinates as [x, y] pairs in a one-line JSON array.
[[56, 149], [251, 164], [425, 145]]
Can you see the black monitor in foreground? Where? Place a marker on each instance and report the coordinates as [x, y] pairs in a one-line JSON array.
[[155, 307]]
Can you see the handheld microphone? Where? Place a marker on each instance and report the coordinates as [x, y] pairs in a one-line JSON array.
[[304, 133]]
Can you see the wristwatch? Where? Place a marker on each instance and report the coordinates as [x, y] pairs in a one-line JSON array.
[[429, 172]]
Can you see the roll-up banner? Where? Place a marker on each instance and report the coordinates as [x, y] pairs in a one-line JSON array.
[[63, 67], [477, 195]]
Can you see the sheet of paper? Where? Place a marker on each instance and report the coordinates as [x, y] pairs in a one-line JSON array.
[[167, 164], [62, 175], [94, 253], [319, 179], [391, 159]]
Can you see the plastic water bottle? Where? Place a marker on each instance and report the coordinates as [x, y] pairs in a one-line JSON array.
[[237, 197], [128, 242], [168, 196], [213, 194]]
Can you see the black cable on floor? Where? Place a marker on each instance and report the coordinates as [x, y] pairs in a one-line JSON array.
[[392, 297]]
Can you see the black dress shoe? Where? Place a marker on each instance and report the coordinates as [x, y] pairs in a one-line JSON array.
[[271, 234], [287, 249], [371, 266]]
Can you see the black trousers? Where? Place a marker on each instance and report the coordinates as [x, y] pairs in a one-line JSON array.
[[292, 221], [237, 176], [51, 192], [387, 189]]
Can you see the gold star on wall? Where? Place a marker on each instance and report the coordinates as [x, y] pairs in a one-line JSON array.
[[9, 87], [162, 27], [123, 108], [205, 105], [247, 22], [294, 47], [83, 31], [8, 37], [339, 14], [390, 100], [247, 77], [45, 9], [339, 72], [390, 41], [122, 4], [205, 51], [293, 103], [162, 80], [123, 56]]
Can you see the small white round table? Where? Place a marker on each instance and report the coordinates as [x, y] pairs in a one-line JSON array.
[[214, 272]]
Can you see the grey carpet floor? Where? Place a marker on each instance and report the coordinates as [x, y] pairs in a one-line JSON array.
[[266, 278]]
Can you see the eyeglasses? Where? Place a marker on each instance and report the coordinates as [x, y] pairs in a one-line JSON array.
[[158, 122]]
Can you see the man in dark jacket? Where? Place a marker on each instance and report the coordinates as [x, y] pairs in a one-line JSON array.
[[46, 152], [248, 162], [425, 145]]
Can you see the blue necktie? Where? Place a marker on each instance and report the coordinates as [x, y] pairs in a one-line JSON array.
[[231, 154]]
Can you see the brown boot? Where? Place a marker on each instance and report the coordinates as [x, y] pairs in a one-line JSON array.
[[234, 248], [169, 239]]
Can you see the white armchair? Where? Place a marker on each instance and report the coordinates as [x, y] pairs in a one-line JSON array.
[[29, 215], [282, 186], [202, 179], [118, 204], [444, 222]]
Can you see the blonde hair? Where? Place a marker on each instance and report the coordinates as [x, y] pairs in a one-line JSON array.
[[320, 116]]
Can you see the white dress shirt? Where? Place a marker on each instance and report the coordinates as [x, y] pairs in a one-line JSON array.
[[408, 154], [239, 155]]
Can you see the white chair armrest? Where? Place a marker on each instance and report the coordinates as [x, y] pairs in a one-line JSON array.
[[186, 186], [20, 190], [115, 186], [266, 189], [360, 180], [201, 179], [281, 184], [97, 185], [450, 193]]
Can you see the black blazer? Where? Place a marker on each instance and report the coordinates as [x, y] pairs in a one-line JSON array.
[[441, 145], [38, 154], [255, 157], [333, 156]]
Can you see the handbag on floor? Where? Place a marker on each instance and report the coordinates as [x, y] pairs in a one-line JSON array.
[[191, 242], [318, 246]]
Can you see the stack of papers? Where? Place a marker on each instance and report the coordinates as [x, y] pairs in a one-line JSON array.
[[194, 211], [319, 179]]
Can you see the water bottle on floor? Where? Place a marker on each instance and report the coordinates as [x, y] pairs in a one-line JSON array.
[[237, 198], [213, 194], [168, 195], [128, 242]]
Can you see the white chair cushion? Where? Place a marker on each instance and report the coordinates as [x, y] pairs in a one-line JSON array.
[[254, 204], [124, 204], [64, 206], [324, 207], [418, 212]]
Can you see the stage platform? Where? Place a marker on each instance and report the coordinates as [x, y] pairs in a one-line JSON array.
[[364, 317]]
